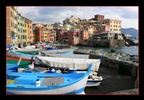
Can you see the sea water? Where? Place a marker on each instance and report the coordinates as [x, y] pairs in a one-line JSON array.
[[131, 50]]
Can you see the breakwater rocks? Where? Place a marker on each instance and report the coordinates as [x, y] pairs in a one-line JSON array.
[[123, 63]]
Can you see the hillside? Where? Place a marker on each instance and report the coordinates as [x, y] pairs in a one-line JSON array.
[[131, 31]]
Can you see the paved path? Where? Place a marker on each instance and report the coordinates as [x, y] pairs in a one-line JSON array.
[[112, 82]]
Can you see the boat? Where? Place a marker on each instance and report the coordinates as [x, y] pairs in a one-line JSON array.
[[48, 47], [8, 47], [13, 53], [94, 80], [78, 65], [27, 50], [53, 83], [57, 51], [22, 62], [80, 56]]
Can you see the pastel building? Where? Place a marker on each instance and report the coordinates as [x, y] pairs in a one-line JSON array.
[[78, 37], [30, 35], [11, 25], [45, 33], [115, 25], [48, 33], [27, 29], [62, 35], [52, 35], [21, 29], [39, 31], [102, 28]]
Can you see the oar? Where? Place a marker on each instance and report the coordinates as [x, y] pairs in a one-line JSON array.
[[19, 61]]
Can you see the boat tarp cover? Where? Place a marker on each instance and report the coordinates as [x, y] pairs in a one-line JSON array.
[[78, 64], [69, 56]]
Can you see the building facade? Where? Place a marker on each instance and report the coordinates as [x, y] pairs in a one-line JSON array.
[[115, 25], [11, 25]]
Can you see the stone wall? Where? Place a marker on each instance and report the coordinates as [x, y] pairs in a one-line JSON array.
[[118, 43], [123, 67]]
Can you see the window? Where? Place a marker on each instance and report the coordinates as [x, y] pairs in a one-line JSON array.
[[11, 24], [15, 26], [11, 14], [18, 29]]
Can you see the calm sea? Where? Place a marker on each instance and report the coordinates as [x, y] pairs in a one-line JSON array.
[[132, 50]]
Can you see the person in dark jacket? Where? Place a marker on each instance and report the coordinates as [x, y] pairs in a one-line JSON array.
[[19, 45]]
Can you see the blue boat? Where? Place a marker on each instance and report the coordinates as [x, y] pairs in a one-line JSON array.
[[51, 48], [66, 52], [8, 46], [80, 65], [45, 83]]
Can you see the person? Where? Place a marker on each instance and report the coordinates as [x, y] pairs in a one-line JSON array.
[[19, 45]]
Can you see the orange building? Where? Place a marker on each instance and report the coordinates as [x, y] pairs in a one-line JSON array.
[[11, 24]]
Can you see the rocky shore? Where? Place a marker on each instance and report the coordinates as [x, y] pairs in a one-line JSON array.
[[113, 54], [124, 64]]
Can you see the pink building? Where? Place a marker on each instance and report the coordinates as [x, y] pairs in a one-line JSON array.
[[39, 31], [77, 37], [51, 35], [62, 35], [103, 28]]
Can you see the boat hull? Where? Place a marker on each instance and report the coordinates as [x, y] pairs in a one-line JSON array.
[[20, 55], [26, 83], [77, 88], [93, 83]]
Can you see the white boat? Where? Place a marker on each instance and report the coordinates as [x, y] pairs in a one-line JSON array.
[[53, 83], [81, 56], [93, 80], [13, 53], [80, 65], [58, 51]]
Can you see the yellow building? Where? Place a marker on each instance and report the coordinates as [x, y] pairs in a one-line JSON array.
[[26, 29], [91, 29], [115, 25], [45, 33]]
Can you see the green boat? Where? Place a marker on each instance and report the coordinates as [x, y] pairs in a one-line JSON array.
[[23, 63], [29, 51]]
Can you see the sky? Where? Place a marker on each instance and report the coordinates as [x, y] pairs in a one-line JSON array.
[[50, 14]]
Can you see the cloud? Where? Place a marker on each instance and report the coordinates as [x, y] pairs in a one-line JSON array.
[[51, 14]]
